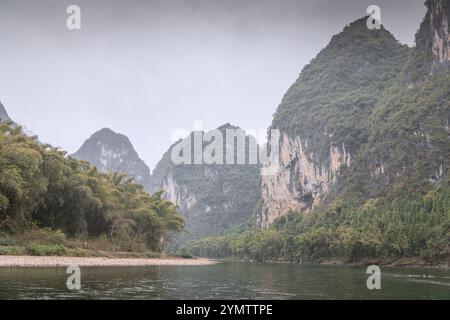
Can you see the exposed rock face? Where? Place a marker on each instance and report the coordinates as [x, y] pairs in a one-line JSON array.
[[301, 183], [3, 114], [110, 151], [322, 117], [439, 11], [212, 198], [329, 121], [178, 194]]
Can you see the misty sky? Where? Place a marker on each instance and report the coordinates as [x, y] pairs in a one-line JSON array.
[[146, 68]]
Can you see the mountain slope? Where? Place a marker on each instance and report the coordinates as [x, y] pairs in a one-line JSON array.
[[213, 198], [323, 116], [110, 151], [3, 114]]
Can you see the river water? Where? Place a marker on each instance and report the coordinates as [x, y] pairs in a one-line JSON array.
[[228, 280]]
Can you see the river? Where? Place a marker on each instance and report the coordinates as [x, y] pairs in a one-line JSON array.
[[228, 280]]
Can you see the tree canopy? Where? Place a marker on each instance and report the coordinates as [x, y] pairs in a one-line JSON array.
[[41, 186]]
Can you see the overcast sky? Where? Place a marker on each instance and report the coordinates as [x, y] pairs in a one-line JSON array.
[[146, 68]]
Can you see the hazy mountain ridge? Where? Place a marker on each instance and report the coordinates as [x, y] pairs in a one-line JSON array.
[[110, 151], [3, 114], [213, 198]]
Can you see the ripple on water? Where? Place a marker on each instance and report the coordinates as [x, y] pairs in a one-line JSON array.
[[226, 281]]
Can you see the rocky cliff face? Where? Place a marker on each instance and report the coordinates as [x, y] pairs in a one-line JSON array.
[[366, 117], [439, 15], [212, 198], [178, 194], [301, 182], [323, 115], [110, 151], [432, 52], [3, 114]]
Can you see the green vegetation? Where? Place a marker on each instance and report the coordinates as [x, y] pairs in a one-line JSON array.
[[388, 227], [46, 250], [51, 204], [183, 253], [8, 251], [334, 95], [213, 198]]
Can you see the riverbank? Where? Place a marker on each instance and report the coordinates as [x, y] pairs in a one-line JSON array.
[[389, 262], [413, 262], [48, 261]]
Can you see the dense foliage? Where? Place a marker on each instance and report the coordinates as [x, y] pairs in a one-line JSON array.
[[389, 227], [41, 187]]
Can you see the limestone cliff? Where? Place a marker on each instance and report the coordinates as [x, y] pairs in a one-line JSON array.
[[323, 115], [439, 15], [432, 51], [213, 198], [353, 110], [301, 183], [3, 114]]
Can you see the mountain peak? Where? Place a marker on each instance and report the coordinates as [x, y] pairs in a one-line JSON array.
[[432, 51], [227, 126], [356, 37], [110, 136], [357, 61], [106, 131], [3, 114], [111, 151]]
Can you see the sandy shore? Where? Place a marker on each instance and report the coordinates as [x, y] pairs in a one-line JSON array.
[[33, 261]]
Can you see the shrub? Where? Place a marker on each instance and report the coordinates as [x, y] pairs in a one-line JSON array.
[[5, 239], [43, 236], [8, 251], [77, 252], [183, 253], [46, 250], [56, 237], [151, 254]]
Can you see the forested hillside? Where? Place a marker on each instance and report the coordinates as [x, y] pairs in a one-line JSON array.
[[213, 198], [109, 151], [43, 189], [3, 114]]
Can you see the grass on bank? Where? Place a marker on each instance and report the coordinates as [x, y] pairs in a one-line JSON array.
[[45, 242]]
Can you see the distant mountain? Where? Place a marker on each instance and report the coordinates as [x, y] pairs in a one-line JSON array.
[[3, 114], [111, 151], [213, 198]]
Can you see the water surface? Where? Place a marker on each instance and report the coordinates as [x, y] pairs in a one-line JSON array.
[[229, 280]]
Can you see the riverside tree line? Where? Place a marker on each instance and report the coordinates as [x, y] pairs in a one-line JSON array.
[[41, 187]]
